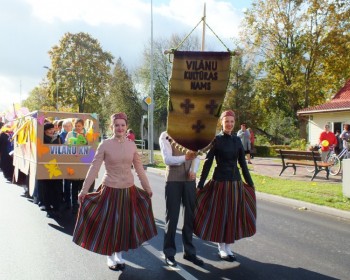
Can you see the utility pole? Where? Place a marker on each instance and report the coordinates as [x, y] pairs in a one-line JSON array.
[[151, 106]]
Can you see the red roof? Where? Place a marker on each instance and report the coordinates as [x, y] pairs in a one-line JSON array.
[[340, 102]]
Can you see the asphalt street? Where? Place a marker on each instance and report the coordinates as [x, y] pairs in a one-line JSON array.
[[290, 243]]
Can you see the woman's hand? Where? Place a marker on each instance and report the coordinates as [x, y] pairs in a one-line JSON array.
[[81, 198], [191, 176], [150, 193], [190, 155]]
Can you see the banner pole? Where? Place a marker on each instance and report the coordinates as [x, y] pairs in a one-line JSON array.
[[203, 33]]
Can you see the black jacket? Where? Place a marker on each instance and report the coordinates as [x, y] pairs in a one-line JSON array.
[[49, 140], [228, 151]]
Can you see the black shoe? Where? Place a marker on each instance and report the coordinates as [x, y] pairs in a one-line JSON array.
[[228, 258], [42, 208], [57, 214], [117, 267], [50, 214], [193, 258], [170, 261], [232, 258]]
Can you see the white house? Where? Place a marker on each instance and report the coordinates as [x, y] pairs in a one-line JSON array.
[[335, 112]]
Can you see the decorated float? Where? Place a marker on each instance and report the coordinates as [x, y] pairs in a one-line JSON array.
[[49, 161]]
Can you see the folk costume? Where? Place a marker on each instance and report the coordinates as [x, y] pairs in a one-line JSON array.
[[225, 206], [118, 216]]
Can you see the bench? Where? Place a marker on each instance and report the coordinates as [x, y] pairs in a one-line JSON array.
[[292, 158]]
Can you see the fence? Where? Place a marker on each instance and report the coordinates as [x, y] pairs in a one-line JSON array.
[[140, 144]]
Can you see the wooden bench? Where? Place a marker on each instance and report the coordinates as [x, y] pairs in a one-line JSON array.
[[292, 158]]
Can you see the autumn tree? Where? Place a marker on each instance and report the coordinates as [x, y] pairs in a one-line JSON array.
[[290, 39], [81, 70], [122, 96]]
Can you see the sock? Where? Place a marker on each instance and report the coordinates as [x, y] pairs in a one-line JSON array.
[[118, 257], [222, 249], [110, 260], [228, 250]]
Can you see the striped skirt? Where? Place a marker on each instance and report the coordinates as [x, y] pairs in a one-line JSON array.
[[113, 220], [225, 211]]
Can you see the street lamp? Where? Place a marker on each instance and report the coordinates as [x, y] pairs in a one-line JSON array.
[[57, 81]]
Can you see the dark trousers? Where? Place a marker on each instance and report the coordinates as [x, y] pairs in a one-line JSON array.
[[175, 194], [66, 191], [76, 188], [50, 193]]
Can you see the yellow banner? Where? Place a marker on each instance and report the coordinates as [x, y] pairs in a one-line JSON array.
[[197, 89]]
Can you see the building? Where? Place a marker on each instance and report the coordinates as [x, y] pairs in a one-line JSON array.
[[335, 112]]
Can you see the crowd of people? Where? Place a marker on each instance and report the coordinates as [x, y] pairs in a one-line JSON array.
[[337, 141], [118, 216], [51, 195]]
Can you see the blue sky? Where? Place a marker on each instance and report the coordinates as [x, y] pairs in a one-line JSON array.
[[29, 28]]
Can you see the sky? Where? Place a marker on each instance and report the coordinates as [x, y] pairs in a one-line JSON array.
[[30, 28]]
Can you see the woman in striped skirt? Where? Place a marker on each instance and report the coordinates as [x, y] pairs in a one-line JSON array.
[[118, 216], [225, 206]]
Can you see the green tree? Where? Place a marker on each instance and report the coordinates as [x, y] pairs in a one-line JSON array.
[[38, 99], [122, 97], [81, 70], [290, 39], [240, 95], [161, 71]]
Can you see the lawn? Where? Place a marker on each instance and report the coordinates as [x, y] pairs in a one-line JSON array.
[[321, 193]]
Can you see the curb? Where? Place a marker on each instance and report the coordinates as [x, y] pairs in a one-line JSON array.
[[306, 206], [302, 205]]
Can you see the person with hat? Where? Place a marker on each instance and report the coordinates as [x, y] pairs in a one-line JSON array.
[[118, 216], [327, 141], [225, 206]]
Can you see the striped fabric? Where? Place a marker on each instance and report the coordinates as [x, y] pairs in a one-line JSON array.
[[113, 220], [225, 211]]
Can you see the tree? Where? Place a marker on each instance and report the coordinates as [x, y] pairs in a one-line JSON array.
[[161, 72], [38, 99], [122, 97], [81, 70], [240, 95], [290, 39]]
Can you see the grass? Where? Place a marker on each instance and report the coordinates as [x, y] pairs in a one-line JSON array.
[[321, 193]]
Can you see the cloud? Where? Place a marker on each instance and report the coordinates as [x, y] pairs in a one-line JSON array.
[[91, 12], [229, 16], [30, 28], [13, 88]]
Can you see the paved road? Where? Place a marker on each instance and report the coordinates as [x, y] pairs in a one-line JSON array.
[[289, 244]]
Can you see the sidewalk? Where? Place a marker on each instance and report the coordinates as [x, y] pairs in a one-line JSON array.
[[272, 167]]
